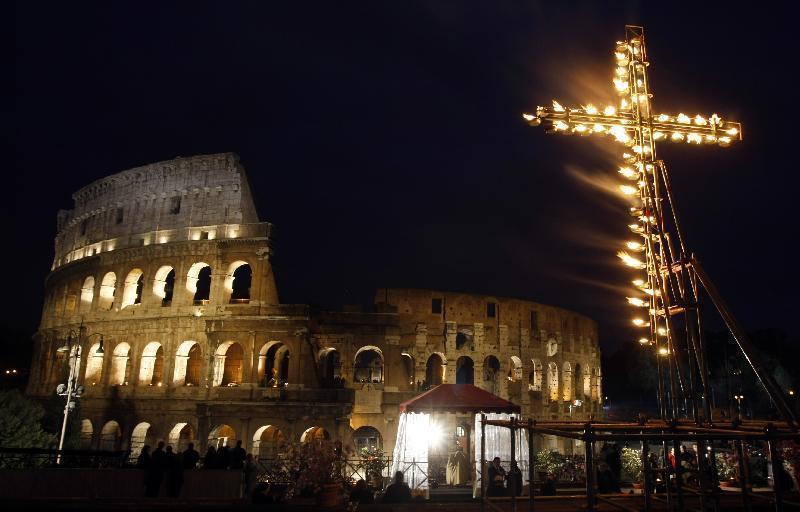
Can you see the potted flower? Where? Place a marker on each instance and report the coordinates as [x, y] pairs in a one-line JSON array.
[[632, 466], [549, 462], [371, 464], [317, 465], [726, 468]]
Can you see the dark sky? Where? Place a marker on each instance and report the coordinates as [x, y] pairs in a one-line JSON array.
[[384, 140]]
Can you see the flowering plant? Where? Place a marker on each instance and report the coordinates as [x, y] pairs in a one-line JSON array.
[[631, 465], [373, 461], [727, 465], [315, 464], [551, 462]]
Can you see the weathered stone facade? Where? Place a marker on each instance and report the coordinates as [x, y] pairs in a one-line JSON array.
[[170, 264]]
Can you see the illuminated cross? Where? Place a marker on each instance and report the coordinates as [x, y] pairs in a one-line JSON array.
[[669, 287]]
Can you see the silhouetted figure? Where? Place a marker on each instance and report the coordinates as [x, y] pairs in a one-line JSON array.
[[250, 473], [155, 472], [237, 456], [614, 460], [398, 491], [606, 481], [361, 493], [210, 460], [548, 487], [497, 479], [514, 480], [143, 461], [174, 470], [190, 457], [224, 457]]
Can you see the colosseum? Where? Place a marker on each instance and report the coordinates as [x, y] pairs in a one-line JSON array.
[[162, 275]]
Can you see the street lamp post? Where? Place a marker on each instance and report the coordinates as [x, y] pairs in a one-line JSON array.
[[739, 399], [71, 390]]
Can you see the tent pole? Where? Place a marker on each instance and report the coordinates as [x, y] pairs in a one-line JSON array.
[[513, 460], [483, 462], [531, 462]]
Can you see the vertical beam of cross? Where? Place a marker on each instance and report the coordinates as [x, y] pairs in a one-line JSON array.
[[669, 290]]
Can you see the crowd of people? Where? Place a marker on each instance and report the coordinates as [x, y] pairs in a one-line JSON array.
[[164, 466]]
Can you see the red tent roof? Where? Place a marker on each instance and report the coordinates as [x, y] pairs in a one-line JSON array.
[[458, 398]]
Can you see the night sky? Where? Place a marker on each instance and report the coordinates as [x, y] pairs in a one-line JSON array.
[[384, 140]]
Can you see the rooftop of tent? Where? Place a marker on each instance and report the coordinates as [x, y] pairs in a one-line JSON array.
[[458, 398]]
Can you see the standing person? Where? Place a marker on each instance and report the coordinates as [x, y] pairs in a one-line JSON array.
[[210, 460], [514, 480], [155, 472], [190, 457], [143, 461], [548, 487], [174, 470], [361, 493], [497, 478], [250, 473], [224, 457], [614, 461], [398, 491], [237, 456]]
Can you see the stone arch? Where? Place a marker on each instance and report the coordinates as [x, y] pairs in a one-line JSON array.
[[198, 282], [577, 381], [222, 435], [491, 374], [87, 431], [596, 384], [536, 377], [110, 436], [120, 365], [314, 434], [367, 437], [108, 288], [515, 369], [368, 365], [181, 435], [273, 364], [435, 369], [164, 284], [238, 281], [552, 381], [87, 293], [228, 364], [330, 365], [465, 370], [152, 365], [94, 366], [140, 436], [587, 383], [132, 291], [268, 441], [409, 367], [566, 386], [188, 364]]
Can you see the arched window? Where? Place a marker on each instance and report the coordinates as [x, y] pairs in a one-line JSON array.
[[491, 374], [140, 437], [120, 365], [150, 371], [198, 282], [552, 381], [330, 363], [94, 366], [465, 370], [86, 434], [587, 383], [268, 442], [367, 438], [238, 281], [273, 365], [228, 364], [87, 293], [108, 287], [535, 380], [566, 389], [132, 293], [110, 436], [434, 370], [181, 435], [464, 337], [188, 361], [408, 366], [368, 365], [596, 384], [314, 434], [578, 382], [164, 284], [515, 369], [222, 435]]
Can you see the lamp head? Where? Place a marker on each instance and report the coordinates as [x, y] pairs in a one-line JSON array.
[[100, 350]]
